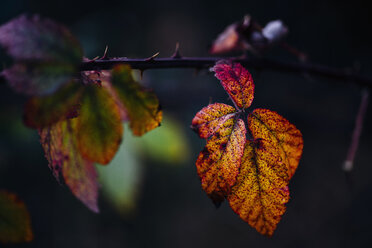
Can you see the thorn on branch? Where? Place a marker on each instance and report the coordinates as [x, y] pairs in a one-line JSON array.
[[250, 62], [152, 57], [105, 53], [94, 59], [177, 54]]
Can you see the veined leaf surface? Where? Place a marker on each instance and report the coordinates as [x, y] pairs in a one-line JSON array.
[[272, 127], [218, 164], [99, 125], [261, 188], [141, 105], [252, 172], [236, 81], [60, 145]]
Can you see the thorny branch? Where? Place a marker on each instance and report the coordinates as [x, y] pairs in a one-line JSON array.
[[199, 63], [251, 62]]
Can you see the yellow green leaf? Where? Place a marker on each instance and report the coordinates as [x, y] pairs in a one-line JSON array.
[[272, 127], [15, 223], [61, 150], [44, 111], [208, 120], [99, 125], [261, 188], [141, 105], [219, 162]]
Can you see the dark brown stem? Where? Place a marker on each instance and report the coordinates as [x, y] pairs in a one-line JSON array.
[[348, 165], [256, 63]]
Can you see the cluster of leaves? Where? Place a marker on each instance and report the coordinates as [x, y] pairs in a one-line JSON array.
[[249, 157], [78, 115]]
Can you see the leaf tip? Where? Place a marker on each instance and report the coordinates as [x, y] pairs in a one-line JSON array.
[[237, 82]]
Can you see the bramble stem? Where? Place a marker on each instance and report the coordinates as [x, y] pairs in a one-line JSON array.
[[256, 63], [348, 164]]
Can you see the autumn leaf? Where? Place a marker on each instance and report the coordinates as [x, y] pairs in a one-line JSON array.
[[229, 40], [43, 111], [261, 188], [46, 54], [15, 223], [60, 145], [141, 105], [249, 157], [270, 126], [73, 145], [218, 163], [99, 125], [236, 81], [89, 128], [207, 121], [249, 35]]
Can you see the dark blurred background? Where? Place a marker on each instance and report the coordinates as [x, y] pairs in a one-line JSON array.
[[153, 200]]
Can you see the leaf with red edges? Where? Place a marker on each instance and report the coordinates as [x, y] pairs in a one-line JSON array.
[[261, 188], [208, 120], [218, 164], [251, 172], [61, 150], [272, 127], [237, 82]]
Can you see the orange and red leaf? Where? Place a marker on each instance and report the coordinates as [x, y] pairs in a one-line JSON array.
[[229, 40], [208, 120], [252, 172], [218, 164], [236, 81], [261, 188], [272, 127]]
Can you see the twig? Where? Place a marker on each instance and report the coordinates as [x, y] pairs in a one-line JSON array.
[[199, 63], [348, 164], [256, 63]]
